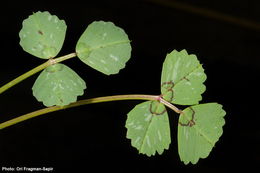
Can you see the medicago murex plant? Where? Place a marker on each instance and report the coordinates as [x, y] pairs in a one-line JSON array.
[[106, 48]]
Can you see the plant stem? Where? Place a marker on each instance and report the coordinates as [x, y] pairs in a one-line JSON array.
[[35, 70], [85, 102]]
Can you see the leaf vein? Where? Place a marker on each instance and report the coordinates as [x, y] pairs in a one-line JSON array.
[[109, 44], [185, 76]]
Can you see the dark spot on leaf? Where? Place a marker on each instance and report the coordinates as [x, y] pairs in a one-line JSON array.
[[154, 106], [184, 78], [40, 32], [191, 122], [168, 85], [167, 90]]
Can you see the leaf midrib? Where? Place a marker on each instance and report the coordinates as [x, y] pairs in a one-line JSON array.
[[145, 134], [89, 49], [198, 129], [185, 76]]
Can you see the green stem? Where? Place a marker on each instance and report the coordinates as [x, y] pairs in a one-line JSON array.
[[85, 102], [35, 70]]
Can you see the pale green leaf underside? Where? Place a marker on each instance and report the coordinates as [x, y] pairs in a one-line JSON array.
[[149, 133], [200, 127], [104, 46], [187, 76], [58, 85], [42, 35]]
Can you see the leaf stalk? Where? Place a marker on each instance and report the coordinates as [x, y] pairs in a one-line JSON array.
[[35, 70], [88, 101]]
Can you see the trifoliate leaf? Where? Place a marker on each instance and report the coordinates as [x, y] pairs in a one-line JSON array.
[[105, 47], [58, 85], [148, 128], [42, 35], [200, 127], [182, 78]]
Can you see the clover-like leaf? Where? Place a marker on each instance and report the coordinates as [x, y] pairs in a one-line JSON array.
[[42, 35], [200, 127], [58, 85], [182, 78], [104, 46], [148, 128]]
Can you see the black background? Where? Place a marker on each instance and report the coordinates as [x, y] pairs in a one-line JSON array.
[[92, 138]]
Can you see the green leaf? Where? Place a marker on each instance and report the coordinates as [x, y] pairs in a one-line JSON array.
[[42, 35], [148, 128], [182, 78], [58, 85], [200, 127], [105, 47]]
